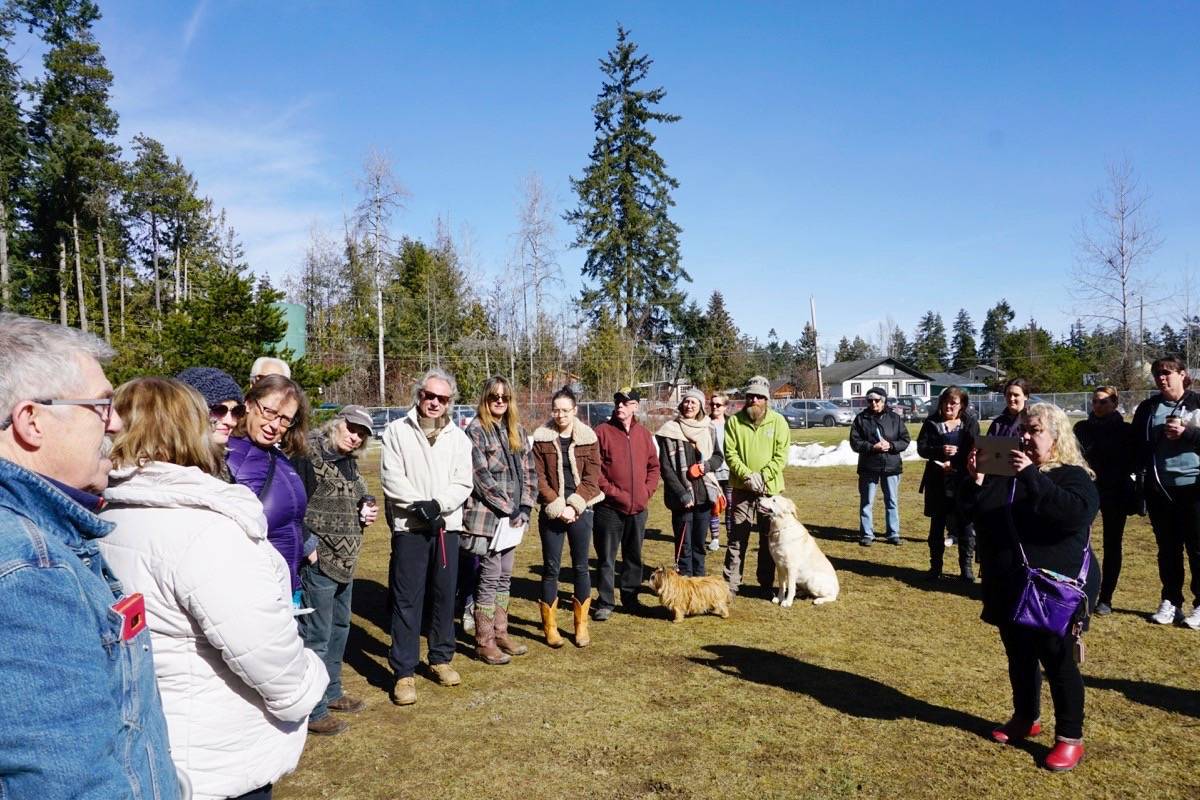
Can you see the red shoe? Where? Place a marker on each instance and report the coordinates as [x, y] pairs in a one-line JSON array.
[[1015, 730], [1064, 756]]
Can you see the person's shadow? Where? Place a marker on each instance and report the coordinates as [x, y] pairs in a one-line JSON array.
[[1155, 695], [842, 691]]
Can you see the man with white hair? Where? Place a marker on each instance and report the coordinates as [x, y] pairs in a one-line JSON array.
[[81, 716], [427, 475], [266, 365]]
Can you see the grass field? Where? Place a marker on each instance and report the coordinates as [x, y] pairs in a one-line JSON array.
[[889, 692]]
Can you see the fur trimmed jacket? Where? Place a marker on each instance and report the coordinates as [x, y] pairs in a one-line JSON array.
[[583, 455]]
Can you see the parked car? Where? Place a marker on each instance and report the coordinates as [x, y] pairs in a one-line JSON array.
[[807, 413], [462, 415], [910, 407], [382, 417], [595, 413]]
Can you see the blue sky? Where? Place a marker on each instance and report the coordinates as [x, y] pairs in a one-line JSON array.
[[887, 158]]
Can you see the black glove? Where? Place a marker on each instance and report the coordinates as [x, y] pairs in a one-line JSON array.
[[427, 511]]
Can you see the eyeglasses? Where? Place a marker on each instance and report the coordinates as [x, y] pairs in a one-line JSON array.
[[102, 406], [429, 397], [875, 399], [496, 398], [217, 411], [272, 415], [715, 404]]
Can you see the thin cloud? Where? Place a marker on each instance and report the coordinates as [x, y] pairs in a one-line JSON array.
[[193, 23]]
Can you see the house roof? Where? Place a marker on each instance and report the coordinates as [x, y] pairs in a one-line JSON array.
[[953, 379], [779, 383], [845, 370]]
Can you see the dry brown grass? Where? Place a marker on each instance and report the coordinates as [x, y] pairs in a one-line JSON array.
[[888, 692]]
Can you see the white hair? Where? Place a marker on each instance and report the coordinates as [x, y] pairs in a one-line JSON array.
[[40, 360], [263, 362], [441, 375]]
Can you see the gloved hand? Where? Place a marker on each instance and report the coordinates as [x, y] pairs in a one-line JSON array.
[[755, 483], [427, 511], [695, 471]]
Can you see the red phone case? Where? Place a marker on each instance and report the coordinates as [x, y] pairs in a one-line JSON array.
[[132, 609]]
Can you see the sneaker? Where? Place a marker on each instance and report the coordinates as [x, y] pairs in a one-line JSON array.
[[1167, 613], [347, 705], [444, 675], [468, 620], [1192, 620], [714, 545], [866, 541], [601, 614], [951, 541], [326, 726], [895, 540], [404, 692], [1103, 609]]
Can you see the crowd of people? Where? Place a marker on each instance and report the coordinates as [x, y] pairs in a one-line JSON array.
[[183, 552]]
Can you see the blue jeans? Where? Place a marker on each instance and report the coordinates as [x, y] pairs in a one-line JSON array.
[[891, 501], [325, 630]]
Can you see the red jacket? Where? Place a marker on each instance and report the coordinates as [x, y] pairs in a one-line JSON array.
[[628, 466]]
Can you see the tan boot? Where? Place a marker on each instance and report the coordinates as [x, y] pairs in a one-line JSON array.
[[503, 640], [550, 622], [582, 638], [485, 636], [404, 692]]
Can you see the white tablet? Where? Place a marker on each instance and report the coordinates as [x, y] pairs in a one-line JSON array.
[[992, 455]]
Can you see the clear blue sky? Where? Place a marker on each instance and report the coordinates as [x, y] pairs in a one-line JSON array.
[[886, 157]]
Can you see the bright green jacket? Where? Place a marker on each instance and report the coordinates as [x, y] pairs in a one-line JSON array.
[[761, 448]]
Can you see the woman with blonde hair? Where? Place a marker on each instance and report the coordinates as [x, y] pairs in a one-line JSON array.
[[274, 430], [1040, 517], [505, 490], [236, 681]]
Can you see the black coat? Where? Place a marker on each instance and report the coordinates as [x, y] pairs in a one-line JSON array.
[[938, 487], [1051, 511], [674, 458], [1143, 419], [864, 432], [1108, 445]]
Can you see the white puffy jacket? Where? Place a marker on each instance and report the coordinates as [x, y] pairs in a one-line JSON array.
[[237, 684]]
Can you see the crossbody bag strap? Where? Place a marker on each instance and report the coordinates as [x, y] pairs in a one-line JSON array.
[[1083, 570]]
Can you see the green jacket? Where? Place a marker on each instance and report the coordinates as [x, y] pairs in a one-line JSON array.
[[762, 448]]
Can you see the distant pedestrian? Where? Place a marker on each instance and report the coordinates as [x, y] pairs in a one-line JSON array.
[[266, 365], [879, 436], [688, 456], [718, 404], [946, 438], [756, 447]]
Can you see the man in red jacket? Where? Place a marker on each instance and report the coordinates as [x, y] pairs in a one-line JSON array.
[[628, 477]]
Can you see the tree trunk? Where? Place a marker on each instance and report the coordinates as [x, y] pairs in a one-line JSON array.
[[83, 321], [178, 278], [154, 258], [121, 289], [187, 283], [103, 286], [62, 280], [5, 289]]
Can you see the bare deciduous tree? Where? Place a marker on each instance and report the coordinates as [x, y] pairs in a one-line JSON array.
[[1108, 281]]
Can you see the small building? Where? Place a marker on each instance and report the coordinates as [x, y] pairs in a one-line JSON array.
[[783, 389], [853, 378], [985, 374], [943, 379]]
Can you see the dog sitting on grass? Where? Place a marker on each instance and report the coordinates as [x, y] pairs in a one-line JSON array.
[[687, 596], [798, 560]]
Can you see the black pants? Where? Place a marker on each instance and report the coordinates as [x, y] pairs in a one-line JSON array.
[[1114, 512], [613, 527], [1026, 649], [949, 520], [691, 532], [423, 575], [261, 793], [1176, 524], [579, 537]]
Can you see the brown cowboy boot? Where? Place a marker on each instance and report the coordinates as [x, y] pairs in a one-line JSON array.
[[485, 636], [550, 622], [503, 641], [582, 638]]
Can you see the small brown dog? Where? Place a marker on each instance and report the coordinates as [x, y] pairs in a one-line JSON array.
[[686, 596]]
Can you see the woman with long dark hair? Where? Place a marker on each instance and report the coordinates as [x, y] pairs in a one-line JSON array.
[[1008, 421], [947, 437], [504, 493]]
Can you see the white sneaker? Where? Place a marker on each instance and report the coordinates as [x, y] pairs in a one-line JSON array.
[[1166, 614], [1192, 620], [714, 545], [951, 541]]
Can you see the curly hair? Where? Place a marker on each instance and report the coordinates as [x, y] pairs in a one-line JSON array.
[[1066, 446]]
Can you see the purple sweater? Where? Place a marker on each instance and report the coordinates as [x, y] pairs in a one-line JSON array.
[[284, 502]]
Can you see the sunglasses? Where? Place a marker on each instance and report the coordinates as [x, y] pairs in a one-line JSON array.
[[718, 405], [219, 410], [429, 397], [497, 398]]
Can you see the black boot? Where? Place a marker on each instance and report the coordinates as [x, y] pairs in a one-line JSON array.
[[937, 548], [966, 554]]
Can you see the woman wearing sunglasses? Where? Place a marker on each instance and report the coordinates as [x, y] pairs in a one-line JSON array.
[[225, 404], [504, 494], [275, 429]]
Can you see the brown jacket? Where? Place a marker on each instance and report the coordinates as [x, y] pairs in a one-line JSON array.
[[584, 459], [628, 465]]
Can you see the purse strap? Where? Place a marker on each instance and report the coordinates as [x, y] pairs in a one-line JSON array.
[[1083, 570]]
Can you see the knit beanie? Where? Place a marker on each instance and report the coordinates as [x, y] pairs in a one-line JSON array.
[[695, 394], [215, 385]]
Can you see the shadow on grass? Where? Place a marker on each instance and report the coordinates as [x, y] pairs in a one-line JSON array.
[[363, 651], [916, 578], [1156, 695], [837, 689], [832, 533]]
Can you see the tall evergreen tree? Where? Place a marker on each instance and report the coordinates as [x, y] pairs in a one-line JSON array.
[[14, 156], [622, 219], [929, 343], [964, 356], [995, 326], [853, 350]]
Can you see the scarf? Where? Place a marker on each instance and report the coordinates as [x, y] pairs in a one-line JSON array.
[[700, 433]]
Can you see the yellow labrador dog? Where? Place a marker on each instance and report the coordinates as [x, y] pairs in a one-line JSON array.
[[798, 560]]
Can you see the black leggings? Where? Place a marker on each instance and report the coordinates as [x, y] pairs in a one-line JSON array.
[[1114, 513], [1176, 524], [579, 536], [1026, 649]]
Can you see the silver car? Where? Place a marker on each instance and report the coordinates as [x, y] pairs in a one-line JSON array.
[[807, 413]]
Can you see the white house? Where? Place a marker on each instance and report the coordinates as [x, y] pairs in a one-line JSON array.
[[854, 378]]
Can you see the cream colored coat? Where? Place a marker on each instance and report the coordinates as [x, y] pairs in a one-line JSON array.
[[237, 684], [414, 470]]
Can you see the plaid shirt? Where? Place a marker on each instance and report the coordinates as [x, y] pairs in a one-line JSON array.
[[496, 482]]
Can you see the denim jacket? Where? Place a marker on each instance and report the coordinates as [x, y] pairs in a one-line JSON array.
[[80, 715]]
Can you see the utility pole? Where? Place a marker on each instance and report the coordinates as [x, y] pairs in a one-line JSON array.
[[812, 308]]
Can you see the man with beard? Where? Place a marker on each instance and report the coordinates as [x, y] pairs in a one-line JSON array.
[[756, 446]]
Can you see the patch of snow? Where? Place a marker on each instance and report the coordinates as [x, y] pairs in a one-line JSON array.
[[817, 455]]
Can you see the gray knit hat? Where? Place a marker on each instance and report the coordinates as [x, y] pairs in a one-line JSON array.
[[215, 385], [758, 385], [695, 394]]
